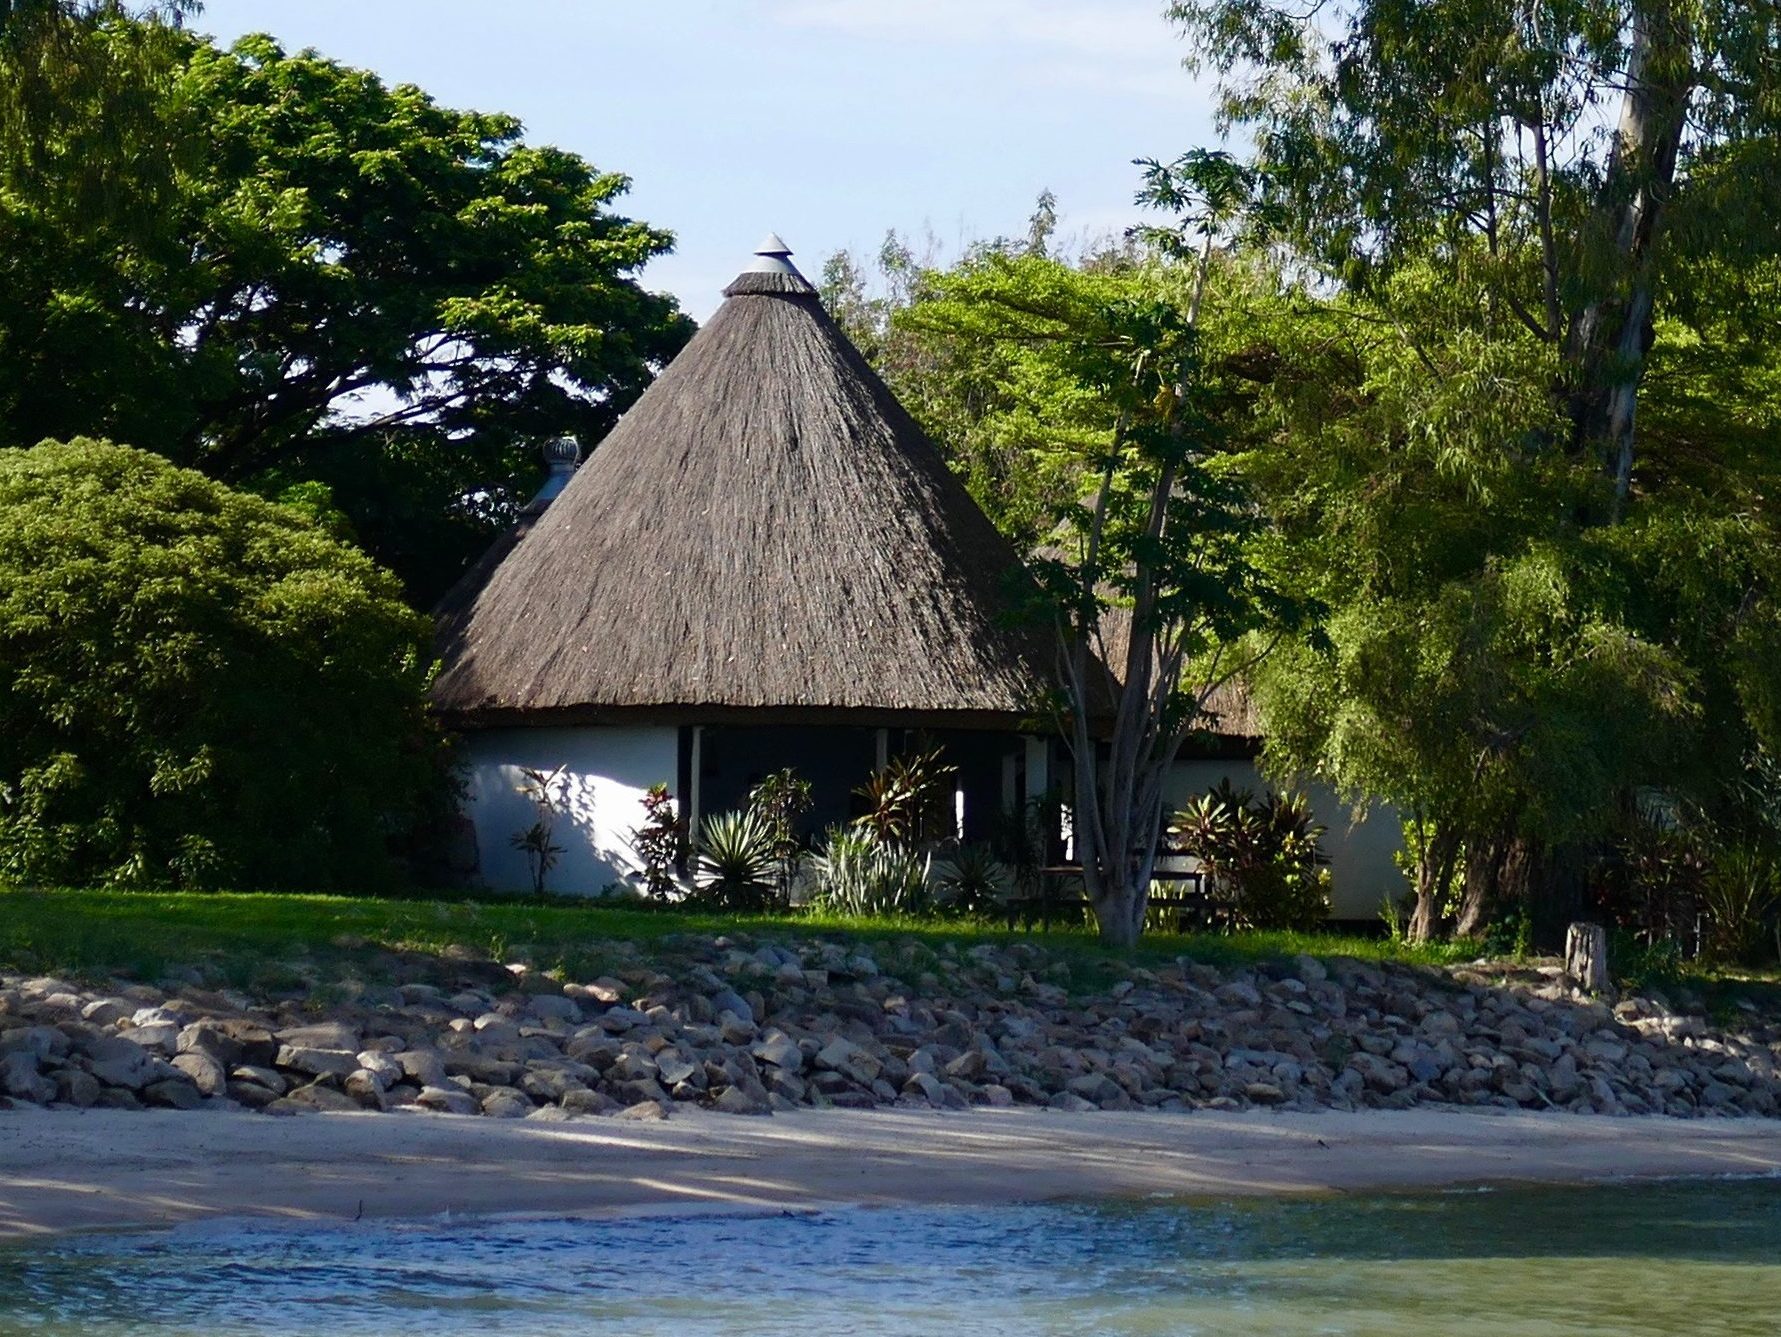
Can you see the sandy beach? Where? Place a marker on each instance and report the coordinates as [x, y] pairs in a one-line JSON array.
[[65, 1170]]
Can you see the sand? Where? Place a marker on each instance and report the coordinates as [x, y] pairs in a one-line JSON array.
[[67, 1170]]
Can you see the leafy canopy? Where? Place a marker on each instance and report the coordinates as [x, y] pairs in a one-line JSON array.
[[198, 687], [343, 282]]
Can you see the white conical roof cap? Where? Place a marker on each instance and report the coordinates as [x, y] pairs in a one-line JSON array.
[[772, 256]]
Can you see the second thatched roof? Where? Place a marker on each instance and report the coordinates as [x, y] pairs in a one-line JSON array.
[[766, 534]]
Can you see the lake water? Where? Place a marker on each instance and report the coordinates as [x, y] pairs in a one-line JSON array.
[[1696, 1258]]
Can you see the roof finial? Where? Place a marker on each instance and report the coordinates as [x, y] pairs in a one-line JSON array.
[[772, 256], [561, 457]]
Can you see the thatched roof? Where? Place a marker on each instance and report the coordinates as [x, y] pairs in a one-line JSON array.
[[765, 534]]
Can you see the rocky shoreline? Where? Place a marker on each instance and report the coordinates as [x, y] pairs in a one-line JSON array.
[[754, 1027]]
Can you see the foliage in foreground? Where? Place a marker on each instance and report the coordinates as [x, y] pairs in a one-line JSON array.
[[197, 687], [291, 272]]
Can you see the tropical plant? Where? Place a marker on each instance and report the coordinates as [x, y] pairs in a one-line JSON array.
[[735, 862], [973, 881], [1263, 855], [198, 687], [537, 842], [1741, 897], [660, 842], [780, 799], [909, 800], [858, 874]]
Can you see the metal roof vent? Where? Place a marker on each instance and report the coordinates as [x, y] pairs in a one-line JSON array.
[[561, 457], [772, 256]]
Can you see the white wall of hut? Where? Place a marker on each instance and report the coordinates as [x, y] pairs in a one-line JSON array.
[[606, 772]]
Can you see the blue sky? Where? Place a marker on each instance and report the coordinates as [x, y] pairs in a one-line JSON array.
[[827, 121]]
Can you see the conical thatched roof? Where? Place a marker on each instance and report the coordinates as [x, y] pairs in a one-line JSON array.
[[765, 534]]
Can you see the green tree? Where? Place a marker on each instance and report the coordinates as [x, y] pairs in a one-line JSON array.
[[198, 687], [349, 284], [1153, 586], [1584, 146]]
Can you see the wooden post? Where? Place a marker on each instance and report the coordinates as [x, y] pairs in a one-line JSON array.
[[1586, 957]]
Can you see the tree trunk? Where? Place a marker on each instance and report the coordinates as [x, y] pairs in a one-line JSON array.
[[1586, 957], [1482, 894], [1607, 343], [1434, 872]]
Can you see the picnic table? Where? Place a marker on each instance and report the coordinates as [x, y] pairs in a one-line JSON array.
[[1188, 896]]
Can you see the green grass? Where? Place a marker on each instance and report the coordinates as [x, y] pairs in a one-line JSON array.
[[268, 941]]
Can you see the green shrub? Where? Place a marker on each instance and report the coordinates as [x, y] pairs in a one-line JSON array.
[[1262, 856], [198, 687], [737, 861], [858, 874], [973, 881]]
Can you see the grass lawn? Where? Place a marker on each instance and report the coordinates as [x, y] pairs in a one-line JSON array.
[[281, 941]]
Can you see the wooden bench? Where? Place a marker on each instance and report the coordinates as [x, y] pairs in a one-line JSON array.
[[1050, 896]]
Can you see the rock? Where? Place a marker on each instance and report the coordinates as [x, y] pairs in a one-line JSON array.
[[74, 1087], [105, 1011], [927, 1086], [674, 1067], [644, 1110], [1075, 1104], [207, 1074], [554, 1007], [734, 1100], [447, 1099], [639, 1091], [728, 1000], [160, 1038], [506, 1103], [20, 1079], [426, 1066], [229, 1041], [38, 1041], [174, 1093], [1264, 1093], [318, 1062], [551, 1114], [843, 1056], [779, 1049], [589, 1102], [251, 1094], [1440, 1026], [365, 1089], [997, 1096], [1379, 1074], [1095, 1087], [270, 1078], [119, 1062], [314, 1099], [382, 1067], [336, 1035]]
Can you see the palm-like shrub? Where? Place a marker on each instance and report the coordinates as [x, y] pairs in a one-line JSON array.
[[1263, 856], [973, 881], [736, 862], [858, 874]]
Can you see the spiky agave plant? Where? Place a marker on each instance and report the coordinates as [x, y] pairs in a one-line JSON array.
[[973, 881], [736, 861]]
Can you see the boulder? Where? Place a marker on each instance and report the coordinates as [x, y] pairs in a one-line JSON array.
[[20, 1078], [448, 1099], [173, 1093], [318, 1062], [206, 1073], [506, 1103]]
